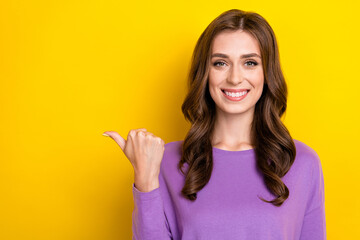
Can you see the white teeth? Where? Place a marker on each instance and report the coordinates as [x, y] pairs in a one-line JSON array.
[[238, 94]]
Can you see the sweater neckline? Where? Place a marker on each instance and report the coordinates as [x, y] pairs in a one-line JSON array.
[[241, 152]]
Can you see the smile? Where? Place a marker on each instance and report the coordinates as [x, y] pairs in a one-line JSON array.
[[235, 94]]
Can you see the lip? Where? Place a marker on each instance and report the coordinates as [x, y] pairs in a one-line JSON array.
[[236, 99], [234, 90]]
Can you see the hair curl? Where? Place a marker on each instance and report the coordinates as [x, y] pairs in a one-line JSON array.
[[274, 147]]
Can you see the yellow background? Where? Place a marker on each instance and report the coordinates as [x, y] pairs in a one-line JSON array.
[[70, 70]]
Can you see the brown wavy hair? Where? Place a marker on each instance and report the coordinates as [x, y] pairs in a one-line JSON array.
[[274, 147]]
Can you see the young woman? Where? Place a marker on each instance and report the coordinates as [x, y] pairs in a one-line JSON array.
[[238, 174]]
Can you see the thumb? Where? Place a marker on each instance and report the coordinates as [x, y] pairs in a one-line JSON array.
[[117, 138]]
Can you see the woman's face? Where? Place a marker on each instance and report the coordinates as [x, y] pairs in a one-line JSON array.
[[236, 75]]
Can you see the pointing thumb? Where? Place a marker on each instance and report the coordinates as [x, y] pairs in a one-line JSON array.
[[117, 138]]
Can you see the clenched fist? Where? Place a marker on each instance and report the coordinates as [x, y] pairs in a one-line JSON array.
[[145, 152]]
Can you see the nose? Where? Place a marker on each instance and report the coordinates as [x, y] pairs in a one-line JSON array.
[[236, 75]]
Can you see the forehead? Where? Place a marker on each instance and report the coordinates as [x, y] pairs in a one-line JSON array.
[[235, 42]]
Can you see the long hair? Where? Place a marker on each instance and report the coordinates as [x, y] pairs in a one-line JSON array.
[[274, 147]]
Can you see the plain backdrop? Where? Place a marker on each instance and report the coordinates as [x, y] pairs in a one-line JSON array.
[[70, 70]]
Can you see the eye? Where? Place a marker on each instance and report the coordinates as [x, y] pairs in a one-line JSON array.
[[217, 64], [251, 63]]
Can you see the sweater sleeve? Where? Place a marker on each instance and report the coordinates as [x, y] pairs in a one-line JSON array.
[[148, 217], [314, 224]]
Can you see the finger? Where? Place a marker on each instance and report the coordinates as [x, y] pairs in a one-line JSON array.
[[140, 132], [140, 129], [117, 138]]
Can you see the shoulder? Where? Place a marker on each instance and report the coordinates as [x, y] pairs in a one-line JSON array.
[[306, 171], [172, 152], [305, 151], [169, 164], [306, 156], [308, 162], [173, 146], [173, 149]]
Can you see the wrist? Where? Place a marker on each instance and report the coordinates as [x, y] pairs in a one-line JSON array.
[[146, 186], [146, 183]]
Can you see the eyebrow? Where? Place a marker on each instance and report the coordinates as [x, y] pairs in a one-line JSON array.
[[242, 56]]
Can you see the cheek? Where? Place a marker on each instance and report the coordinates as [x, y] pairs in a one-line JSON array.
[[214, 81], [257, 82], [212, 89], [259, 86], [215, 77], [258, 79]]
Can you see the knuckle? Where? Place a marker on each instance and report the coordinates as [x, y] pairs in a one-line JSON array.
[[160, 141]]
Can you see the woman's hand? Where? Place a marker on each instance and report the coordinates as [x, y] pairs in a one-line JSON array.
[[145, 152]]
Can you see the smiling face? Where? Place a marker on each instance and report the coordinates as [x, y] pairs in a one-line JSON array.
[[236, 75]]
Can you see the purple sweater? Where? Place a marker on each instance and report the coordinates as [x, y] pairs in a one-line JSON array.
[[228, 207]]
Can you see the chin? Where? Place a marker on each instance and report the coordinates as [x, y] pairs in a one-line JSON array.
[[234, 110]]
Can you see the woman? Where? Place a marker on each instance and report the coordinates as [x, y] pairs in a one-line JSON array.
[[238, 174]]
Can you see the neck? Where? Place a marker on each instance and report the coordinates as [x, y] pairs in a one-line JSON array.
[[233, 131]]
